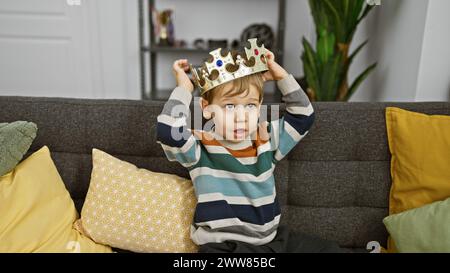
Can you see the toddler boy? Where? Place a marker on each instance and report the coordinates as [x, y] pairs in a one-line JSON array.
[[232, 164]]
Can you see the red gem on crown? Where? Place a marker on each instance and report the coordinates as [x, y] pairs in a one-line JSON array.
[[256, 52]]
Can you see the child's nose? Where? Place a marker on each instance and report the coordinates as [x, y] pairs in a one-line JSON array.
[[240, 113]]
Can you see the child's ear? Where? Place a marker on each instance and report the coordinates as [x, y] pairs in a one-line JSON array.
[[204, 105]]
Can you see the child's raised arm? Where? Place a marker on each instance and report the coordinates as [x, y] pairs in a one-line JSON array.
[[175, 137], [287, 131]]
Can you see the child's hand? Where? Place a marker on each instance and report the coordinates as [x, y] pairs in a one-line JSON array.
[[179, 71], [276, 72]]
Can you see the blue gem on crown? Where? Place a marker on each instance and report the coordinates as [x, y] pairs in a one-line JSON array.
[[219, 63]]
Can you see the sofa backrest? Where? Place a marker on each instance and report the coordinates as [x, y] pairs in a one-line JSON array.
[[335, 184]]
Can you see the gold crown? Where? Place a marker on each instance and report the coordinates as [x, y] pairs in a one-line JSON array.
[[226, 68]]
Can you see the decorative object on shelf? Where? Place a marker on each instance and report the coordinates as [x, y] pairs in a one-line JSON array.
[[262, 32], [200, 44], [326, 68], [223, 43], [226, 68], [164, 28], [235, 44], [180, 43]]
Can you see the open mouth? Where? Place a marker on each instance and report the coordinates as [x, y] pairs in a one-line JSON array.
[[239, 131]]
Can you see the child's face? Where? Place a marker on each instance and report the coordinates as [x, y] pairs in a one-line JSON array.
[[235, 117]]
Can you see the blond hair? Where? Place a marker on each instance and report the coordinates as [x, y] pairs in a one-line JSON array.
[[240, 85]]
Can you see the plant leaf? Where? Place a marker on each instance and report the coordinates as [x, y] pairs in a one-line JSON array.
[[365, 13], [352, 22], [337, 20], [325, 46], [330, 79], [359, 80], [326, 78], [356, 51], [309, 53], [345, 3], [312, 80], [319, 15], [310, 66], [351, 57]]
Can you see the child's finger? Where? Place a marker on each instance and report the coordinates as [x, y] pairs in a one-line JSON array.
[[270, 56], [267, 76], [180, 63], [178, 66], [186, 66]]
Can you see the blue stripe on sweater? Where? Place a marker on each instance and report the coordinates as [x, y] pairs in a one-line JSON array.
[[231, 187], [217, 210], [164, 135], [287, 142], [301, 123]]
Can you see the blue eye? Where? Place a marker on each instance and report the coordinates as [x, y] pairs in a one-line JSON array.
[[251, 106], [229, 106]]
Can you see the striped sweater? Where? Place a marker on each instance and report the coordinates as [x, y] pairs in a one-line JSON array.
[[234, 184]]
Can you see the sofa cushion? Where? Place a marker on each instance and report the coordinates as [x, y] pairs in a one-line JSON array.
[[419, 145], [424, 229], [136, 209], [15, 140], [37, 212]]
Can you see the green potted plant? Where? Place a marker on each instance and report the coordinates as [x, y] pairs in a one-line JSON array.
[[326, 68]]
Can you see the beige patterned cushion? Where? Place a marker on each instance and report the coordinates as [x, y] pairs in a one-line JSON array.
[[136, 209]]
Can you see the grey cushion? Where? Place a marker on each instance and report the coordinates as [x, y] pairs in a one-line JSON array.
[[334, 184]]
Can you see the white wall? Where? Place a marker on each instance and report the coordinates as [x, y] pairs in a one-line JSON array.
[[118, 32], [396, 33], [410, 40], [299, 23], [434, 72]]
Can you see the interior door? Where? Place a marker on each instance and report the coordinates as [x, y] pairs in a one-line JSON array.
[[45, 49]]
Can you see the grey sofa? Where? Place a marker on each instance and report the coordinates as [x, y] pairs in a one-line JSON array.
[[335, 184]]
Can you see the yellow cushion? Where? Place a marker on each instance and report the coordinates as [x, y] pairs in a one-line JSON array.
[[37, 212], [136, 209], [420, 149]]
